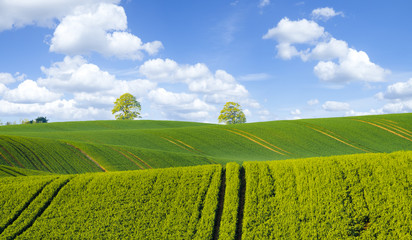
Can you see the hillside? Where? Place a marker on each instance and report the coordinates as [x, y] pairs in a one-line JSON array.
[[362, 196], [93, 146]]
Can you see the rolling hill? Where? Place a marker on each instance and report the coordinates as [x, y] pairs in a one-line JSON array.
[[93, 146]]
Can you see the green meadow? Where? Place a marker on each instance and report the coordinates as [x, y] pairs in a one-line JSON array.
[[336, 178]]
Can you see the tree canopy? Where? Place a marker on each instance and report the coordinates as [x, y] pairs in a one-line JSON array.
[[127, 107], [41, 120], [232, 114]]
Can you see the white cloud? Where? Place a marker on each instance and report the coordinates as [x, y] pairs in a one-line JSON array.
[[99, 28], [90, 85], [180, 105], [371, 112], [313, 102], [337, 62], [19, 13], [29, 92], [74, 74], [398, 107], [6, 78], [3, 89], [167, 70], [335, 106], [356, 66], [301, 31], [217, 87], [221, 82], [59, 110], [325, 13], [328, 50], [87, 92], [296, 112], [399, 90], [287, 51]]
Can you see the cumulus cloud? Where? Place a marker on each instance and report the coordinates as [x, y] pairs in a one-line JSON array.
[[325, 13], [180, 105], [99, 28], [59, 110], [328, 50], [295, 112], [74, 74], [29, 92], [398, 107], [167, 70], [20, 13], [3, 89], [217, 87], [71, 90], [398, 97], [301, 31], [399, 90], [335, 106], [337, 62], [6, 78], [90, 85], [370, 112], [206, 89], [86, 91], [356, 66]]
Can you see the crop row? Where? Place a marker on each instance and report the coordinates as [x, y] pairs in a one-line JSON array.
[[366, 196], [17, 194], [149, 204]]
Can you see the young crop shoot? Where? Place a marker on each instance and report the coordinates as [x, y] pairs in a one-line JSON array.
[[127, 107], [232, 114]]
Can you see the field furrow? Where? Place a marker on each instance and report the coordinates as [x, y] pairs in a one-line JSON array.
[[260, 139], [396, 128], [88, 157], [267, 147], [9, 220], [381, 127], [127, 157], [339, 140], [139, 159], [179, 145]]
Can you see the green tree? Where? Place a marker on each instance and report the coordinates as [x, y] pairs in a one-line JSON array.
[[41, 120], [232, 114], [127, 106]]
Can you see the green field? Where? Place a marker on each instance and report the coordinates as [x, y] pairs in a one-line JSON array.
[[336, 178], [78, 147], [365, 196]]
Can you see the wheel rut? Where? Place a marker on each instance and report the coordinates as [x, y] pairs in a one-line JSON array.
[[220, 205], [42, 209], [242, 193], [20, 211]]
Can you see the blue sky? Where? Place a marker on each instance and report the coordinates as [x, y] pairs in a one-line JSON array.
[[70, 59]]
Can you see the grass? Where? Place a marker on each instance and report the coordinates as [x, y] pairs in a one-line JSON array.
[[77, 147]]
